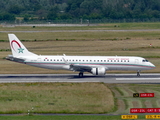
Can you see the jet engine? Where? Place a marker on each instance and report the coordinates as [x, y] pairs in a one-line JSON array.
[[98, 71]]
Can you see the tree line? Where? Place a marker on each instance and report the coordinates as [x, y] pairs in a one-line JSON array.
[[77, 9]]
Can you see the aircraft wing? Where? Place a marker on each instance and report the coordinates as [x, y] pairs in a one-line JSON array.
[[77, 67], [83, 68]]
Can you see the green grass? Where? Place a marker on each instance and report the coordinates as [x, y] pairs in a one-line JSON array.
[[154, 25], [66, 117], [75, 98], [55, 98], [130, 102], [85, 36], [119, 90], [107, 26]]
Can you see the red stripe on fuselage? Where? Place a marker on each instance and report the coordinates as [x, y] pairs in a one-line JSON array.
[[94, 64]]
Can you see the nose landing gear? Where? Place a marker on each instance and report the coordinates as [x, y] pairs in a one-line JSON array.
[[138, 73]]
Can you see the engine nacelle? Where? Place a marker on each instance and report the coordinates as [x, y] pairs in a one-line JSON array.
[[98, 71]]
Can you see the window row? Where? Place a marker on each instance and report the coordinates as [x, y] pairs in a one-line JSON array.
[[57, 60]]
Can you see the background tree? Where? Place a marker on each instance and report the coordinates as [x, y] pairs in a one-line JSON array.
[[15, 9], [53, 13], [76, 9]]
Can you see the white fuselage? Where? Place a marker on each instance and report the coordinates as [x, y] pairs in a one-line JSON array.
[[97, 65], [109, 62]]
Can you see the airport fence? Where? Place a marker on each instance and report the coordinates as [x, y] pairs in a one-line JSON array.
[[81, 21]]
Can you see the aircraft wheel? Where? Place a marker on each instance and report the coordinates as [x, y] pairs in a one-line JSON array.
[[80, 74], [138, 74]]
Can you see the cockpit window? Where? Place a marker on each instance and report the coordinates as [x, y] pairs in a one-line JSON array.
[[144, 60]]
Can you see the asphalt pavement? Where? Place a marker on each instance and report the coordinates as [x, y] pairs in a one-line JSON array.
[[108, 78]]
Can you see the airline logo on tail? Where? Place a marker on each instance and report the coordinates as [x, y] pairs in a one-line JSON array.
[[20, 48]]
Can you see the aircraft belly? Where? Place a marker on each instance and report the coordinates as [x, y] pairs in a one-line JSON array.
[[128, 68], [84, 67]]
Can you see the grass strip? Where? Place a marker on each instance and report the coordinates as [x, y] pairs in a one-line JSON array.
[[119, 90], [107, 26], [55, 98], [67, 117]]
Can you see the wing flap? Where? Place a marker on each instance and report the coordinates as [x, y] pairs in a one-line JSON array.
[[78, 67]]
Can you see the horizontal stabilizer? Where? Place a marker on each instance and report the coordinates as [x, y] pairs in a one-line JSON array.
[[11, 58]]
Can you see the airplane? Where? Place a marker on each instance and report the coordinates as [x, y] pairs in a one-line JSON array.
[[96, 65]]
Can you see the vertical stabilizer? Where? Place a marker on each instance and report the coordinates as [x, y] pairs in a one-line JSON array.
[[18, 49]]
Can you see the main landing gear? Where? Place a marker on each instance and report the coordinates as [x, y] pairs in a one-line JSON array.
[[138, 73], [81, 74]]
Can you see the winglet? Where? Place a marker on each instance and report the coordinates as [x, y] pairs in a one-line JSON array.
[[18, 49]]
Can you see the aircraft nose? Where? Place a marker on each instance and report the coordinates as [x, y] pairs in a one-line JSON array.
[[152, 65]]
